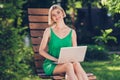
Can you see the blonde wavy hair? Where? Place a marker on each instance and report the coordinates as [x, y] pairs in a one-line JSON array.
[[50, 21]]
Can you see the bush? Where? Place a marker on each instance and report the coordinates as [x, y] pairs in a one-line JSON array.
[[16, 61], [96, 52]]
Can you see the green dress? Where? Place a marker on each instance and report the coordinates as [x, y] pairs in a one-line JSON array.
[[54, 45]]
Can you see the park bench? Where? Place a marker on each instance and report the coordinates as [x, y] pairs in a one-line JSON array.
[[38, 18]]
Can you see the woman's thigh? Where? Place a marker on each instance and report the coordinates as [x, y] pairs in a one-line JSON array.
[[61, 68]]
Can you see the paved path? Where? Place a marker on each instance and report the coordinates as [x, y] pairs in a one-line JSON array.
[[116, 52]]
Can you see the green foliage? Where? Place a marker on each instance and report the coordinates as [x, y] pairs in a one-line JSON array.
[[113, 6], [115, 57], [95, 52], [15, 67], [16, 61], [15, 58], [105, 37], [72, 7], [12, 9], [117, 24]]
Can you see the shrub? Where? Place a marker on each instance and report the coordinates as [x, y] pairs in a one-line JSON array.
[[96, 52], [16, 61]]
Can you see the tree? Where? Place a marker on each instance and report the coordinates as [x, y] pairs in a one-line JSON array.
[[13, 53], [113, 6]]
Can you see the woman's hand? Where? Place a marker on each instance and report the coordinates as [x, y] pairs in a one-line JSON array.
[[55, 59]]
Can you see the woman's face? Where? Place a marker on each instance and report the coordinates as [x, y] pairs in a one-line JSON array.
[[56, 15]]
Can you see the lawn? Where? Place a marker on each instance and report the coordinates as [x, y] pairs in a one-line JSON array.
[[104, 70]]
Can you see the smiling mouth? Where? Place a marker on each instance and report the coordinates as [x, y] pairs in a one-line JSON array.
[[58, 18]]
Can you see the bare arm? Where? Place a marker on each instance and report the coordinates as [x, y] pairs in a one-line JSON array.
[[43, 45], [74, 38]]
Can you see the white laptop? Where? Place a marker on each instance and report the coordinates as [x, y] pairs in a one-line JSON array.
[[71, 54]]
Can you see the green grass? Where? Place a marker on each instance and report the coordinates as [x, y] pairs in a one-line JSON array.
[[104, 70]]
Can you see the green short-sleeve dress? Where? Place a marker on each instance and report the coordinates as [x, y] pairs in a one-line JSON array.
[[54, 45]]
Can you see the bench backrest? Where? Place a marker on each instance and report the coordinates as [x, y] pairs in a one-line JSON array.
[[38, 21]]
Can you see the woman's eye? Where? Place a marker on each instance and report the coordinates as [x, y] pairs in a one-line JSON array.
[[53, 15], [58, 12]]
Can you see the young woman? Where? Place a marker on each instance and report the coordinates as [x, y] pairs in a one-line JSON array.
[[57, 36]]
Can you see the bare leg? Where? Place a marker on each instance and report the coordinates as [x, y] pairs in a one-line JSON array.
[[79, 71], [66, 68], [66, 77]]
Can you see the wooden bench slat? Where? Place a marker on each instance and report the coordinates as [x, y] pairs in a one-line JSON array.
[[38, 57], [38, 11], [39, 63], [36, 40], [38, 18], [38, 25], [92, 78], [36, 33], [36, 48], [39, 70], [43, 75]]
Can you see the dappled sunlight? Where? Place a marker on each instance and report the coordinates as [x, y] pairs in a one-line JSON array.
[[113, 68], [104, 70], [1, 5], [98, 69], [96, 63], [107, 68]]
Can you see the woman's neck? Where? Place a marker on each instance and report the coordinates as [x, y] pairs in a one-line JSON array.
[[60, 25]]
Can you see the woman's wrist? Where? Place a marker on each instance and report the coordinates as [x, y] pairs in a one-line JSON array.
[[55, 60]]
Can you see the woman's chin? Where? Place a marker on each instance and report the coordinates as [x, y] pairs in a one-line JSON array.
[[59, 20]]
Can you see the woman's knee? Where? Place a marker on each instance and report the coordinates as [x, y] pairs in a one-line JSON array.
[[76, 64], [68, 66]]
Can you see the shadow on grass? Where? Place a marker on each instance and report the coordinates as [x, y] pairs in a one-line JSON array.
[[104, 70]]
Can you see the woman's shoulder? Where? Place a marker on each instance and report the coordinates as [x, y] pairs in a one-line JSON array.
[[48, 30], [73, 30], [50, 27]]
